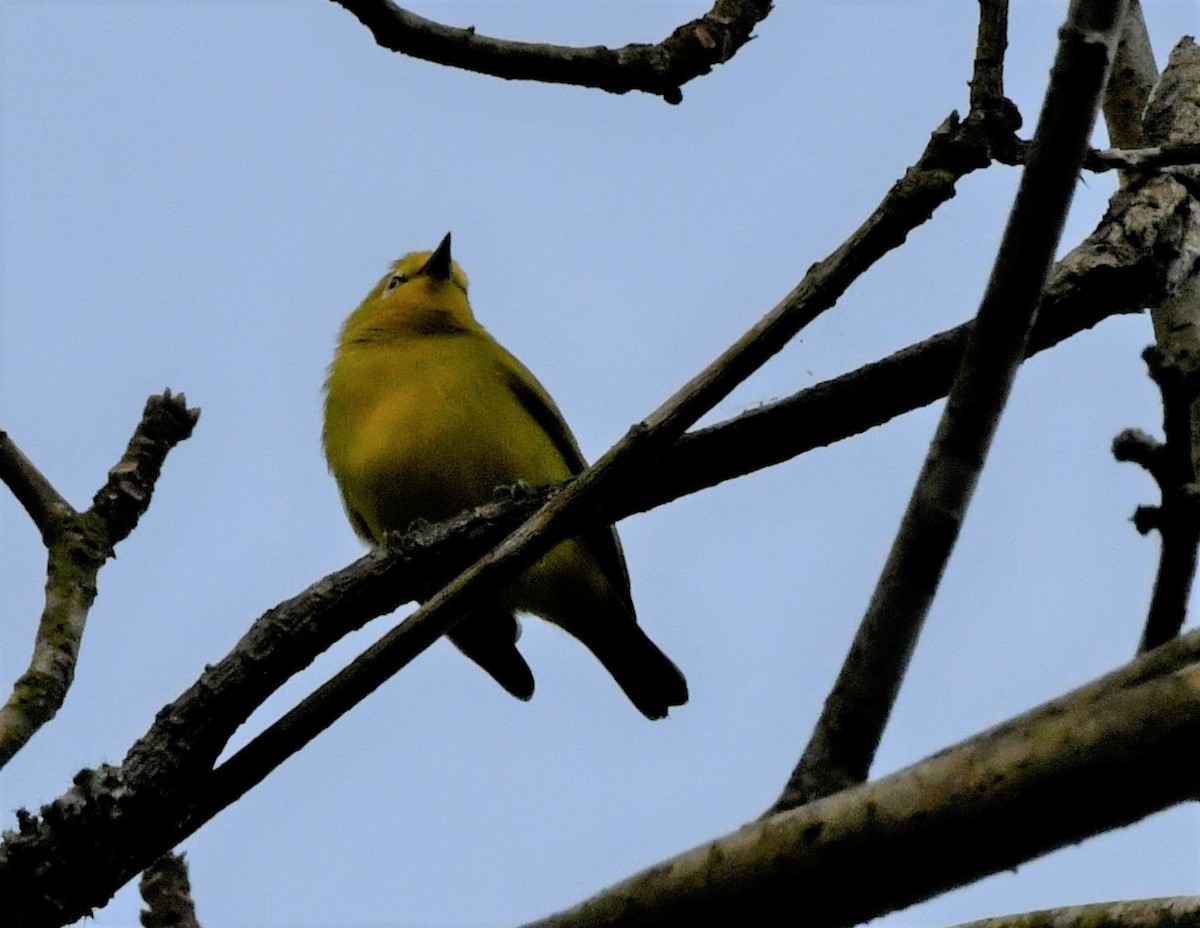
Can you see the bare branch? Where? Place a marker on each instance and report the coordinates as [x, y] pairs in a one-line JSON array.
[[987, 82], [1168, 912], [690, 51], [78, 545], [1103, 756], [1142, 250], [1177, 519], [1099, 758], [856, 711]]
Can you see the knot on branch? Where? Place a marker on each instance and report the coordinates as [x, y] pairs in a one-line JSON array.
[[1170, 462]]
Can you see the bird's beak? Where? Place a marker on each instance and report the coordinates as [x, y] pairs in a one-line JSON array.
[[439, 265]]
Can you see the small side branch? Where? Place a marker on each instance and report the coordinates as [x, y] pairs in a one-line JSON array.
[[1177, 519], [690, 51], [78, 544], [987, 81], [168, 894], [1182, 154]]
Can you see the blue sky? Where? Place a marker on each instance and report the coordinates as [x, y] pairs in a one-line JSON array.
[[195, 196]]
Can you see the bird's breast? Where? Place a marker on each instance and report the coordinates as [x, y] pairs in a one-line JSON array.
[[428, 429]]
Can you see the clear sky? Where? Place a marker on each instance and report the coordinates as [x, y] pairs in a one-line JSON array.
[[196, 194]]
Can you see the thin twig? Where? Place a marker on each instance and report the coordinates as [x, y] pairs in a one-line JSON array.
[[1177, 518], [689, 52], [78, 544], [851, 725]]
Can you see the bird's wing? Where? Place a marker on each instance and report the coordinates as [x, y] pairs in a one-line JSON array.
[[605, 544]]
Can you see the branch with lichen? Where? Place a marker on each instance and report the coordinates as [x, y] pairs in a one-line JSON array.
[[78, 544]]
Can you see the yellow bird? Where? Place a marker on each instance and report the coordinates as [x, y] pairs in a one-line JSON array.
[[425, 416]]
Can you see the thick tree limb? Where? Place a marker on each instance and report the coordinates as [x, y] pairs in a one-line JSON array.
[[687, 53], [78, 545], [1101, 757]]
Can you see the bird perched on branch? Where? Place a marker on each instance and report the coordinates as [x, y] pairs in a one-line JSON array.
[[425, 416]]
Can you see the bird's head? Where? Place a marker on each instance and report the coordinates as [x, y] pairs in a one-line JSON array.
[[424, 293]]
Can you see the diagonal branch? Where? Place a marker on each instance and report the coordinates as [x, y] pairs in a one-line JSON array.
[[1147, 242], [690, 51], [78, 544], [851, 725], [1104, 756], [1167, 912]]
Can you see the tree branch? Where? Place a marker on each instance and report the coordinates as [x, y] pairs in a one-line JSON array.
[[1168, 912], [33, 491], [1101, 757], [851, 725], [1177, 519], [1147, 242], [1134, 75], [1143, 159], [1132, 258], [78, 545], [690, 51]]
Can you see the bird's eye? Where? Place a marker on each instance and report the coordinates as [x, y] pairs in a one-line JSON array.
[[395, 282]]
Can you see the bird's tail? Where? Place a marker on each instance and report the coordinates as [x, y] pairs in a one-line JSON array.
[[649, 678]]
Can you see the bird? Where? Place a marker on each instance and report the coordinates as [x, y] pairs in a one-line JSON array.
[[427, 415]]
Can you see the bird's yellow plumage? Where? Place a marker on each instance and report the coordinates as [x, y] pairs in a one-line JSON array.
[[425, 416]]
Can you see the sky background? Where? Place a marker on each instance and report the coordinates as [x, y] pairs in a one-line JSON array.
[[195, 195]]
